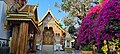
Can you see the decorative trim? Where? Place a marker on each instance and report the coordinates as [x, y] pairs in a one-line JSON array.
[[22, 7], [24, 19], [47, 14], [40, 24], [12, 14], [60, 27]]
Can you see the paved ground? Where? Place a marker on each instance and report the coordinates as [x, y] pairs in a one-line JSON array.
[[61, 52]]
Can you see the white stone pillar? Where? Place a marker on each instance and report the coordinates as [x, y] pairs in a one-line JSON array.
[[70, 44], [65, 43]]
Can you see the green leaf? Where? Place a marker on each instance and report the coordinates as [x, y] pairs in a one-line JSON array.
[[116, 27], [100, 1], [63, 0]]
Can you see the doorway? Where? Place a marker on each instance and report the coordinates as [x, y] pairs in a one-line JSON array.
[[48, 35]]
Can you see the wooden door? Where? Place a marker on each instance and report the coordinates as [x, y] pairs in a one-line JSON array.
[[48, 35]]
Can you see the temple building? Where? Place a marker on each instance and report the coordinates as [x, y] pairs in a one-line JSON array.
[[52, 33]]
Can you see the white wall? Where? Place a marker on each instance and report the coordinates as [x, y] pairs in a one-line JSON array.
[[3, 32], [69, 43]]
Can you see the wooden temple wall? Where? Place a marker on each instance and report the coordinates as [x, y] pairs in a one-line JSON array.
[[34, 42], [15, 33], [19, 39]]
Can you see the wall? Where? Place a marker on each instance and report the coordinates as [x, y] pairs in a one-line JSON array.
[[3, 32]]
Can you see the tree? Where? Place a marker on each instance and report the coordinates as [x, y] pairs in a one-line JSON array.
[[72, 30], [75, 8], [70, 23]]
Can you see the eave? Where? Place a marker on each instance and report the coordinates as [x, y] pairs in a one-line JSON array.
[[39, 24], [60, 28], [18, 14], [23, 19]]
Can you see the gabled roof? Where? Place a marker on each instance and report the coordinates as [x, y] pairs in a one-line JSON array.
[[60, 28], [30, 9], [26, 8], [57, 23], [49, 11], [15, 3]]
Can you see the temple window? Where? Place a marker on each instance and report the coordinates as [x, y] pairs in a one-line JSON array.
[[57, 34]]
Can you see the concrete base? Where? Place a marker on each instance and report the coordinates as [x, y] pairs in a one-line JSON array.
[[56, 47], [48, 49]]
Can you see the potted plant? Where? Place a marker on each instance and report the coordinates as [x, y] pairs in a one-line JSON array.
[[87, 49]]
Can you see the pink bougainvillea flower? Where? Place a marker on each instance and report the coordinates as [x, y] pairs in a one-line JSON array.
[[104, 3], [94, 9], [118, 35], [98, 7]]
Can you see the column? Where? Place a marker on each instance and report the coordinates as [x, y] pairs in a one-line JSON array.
[[34, 42], [26, 38], [14, 40], [70, 44], [22, 39]]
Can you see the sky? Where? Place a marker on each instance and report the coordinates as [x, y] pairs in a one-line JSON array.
[[44, 5]]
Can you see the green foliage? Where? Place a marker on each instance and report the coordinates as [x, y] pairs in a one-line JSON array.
[[100, 1], [117, 42], [72, 30], [67, 21], [56, 5], [75, 7], [60, 24], [87, 47], [100, 51]]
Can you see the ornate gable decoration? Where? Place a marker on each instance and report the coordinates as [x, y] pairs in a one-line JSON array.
[[49, 11], [52, 16]]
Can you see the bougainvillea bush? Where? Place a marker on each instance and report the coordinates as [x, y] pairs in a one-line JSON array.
[[85, 33], [104, 26], [107, 22]]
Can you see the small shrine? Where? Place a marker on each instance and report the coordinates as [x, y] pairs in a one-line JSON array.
[[23, 23]]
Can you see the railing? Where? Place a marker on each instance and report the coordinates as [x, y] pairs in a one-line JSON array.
[[4, 47]]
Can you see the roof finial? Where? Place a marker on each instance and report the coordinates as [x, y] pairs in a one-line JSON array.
[[37, 4], [49, 7]]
